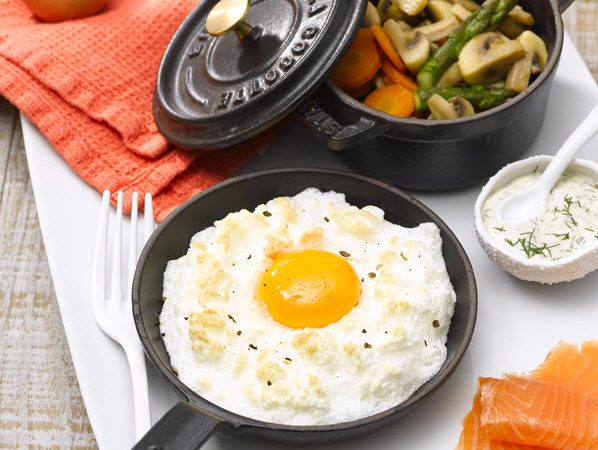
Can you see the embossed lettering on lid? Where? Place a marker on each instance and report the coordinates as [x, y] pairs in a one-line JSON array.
[[235, 67]]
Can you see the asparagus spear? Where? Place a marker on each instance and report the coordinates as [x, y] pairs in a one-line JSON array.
[[480, 97], [488, 16]]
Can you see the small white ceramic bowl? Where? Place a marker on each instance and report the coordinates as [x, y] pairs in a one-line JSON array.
[[570, 268]]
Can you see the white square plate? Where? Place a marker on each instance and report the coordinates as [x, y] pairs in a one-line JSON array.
[[518, 322]]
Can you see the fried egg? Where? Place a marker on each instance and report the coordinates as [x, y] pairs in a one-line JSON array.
[[308, 310]]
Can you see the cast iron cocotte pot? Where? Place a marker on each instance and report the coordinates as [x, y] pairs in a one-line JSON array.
[[213, 92], [441, 154], [191, 422]]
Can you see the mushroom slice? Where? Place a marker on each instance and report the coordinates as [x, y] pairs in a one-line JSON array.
[[534, 45], [521, 16], [440, 10], [488, 57], [460, 12], [407, 29], [510, 28], [414, 52], [462, 107], [451, 77], [469, 5], [412, 7], [453, 108], [519, 75], [441, 108], [438, 30], [389, 9], [372, 16]]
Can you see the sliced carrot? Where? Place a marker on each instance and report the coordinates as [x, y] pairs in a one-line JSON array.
[[388, 47], [360, 64], [397, 77], [381, 53], [387, 81], [395, 100], [361, 91]]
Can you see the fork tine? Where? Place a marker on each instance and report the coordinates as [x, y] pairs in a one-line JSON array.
[[98, 280], [116, 251], [148, 217], [132, 241]]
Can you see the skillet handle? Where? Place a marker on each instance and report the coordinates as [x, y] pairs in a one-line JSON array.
[[332, 133], [183, 427], [564, 4]]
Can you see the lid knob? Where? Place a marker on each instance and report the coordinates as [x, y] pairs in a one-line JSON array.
[[229, 15]]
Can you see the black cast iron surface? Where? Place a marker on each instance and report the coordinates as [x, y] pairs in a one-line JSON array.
[[410, 153], [190, 423], [213, 92], [440, 154]]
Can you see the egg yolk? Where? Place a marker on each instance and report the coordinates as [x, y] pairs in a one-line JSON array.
[[309, 288]]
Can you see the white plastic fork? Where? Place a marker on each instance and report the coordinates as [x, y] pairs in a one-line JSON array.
[[113, 312]]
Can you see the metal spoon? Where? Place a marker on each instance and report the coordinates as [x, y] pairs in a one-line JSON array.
[[529, 203]]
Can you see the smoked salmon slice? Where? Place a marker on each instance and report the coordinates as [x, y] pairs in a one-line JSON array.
[[568, 365], [554, 407], [473, 439], [534, 412]]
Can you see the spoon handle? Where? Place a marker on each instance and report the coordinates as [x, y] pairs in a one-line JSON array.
[[582, 134]]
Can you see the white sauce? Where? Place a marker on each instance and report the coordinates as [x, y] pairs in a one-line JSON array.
[[568, 224]]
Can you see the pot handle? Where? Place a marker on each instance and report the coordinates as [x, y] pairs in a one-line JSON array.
[[183, 427], [332, 133], [564, 4]]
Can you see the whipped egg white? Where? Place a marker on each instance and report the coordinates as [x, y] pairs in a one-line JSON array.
[[225, 345]]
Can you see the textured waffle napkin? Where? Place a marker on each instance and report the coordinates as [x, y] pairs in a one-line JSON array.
[[88, 85]]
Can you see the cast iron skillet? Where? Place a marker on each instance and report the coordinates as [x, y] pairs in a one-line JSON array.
[[190, 423], [440, 154]]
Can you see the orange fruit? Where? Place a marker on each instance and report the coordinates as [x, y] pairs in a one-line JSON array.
[[59, 10]]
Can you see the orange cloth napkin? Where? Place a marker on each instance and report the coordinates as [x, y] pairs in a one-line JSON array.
[[88, 85]]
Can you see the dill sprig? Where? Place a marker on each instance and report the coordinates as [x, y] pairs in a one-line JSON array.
[[563, 236], [529, 247]]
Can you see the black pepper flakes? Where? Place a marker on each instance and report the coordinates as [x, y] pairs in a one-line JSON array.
[[269, 383], [239, 333], [435, 323], [362, 280], [231, 318], [326, 219], [288, 359], [425, 343], [366, 345], [249, 257], [267, 213], [253, 347], [404, 257], [162, 334], [345, 254], [186, 318], [372, 275], [364, 331]]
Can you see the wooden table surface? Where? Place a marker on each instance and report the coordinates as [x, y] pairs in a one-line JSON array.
[[40, 401]]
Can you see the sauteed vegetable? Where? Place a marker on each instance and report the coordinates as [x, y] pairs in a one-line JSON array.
[[441, 59]]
